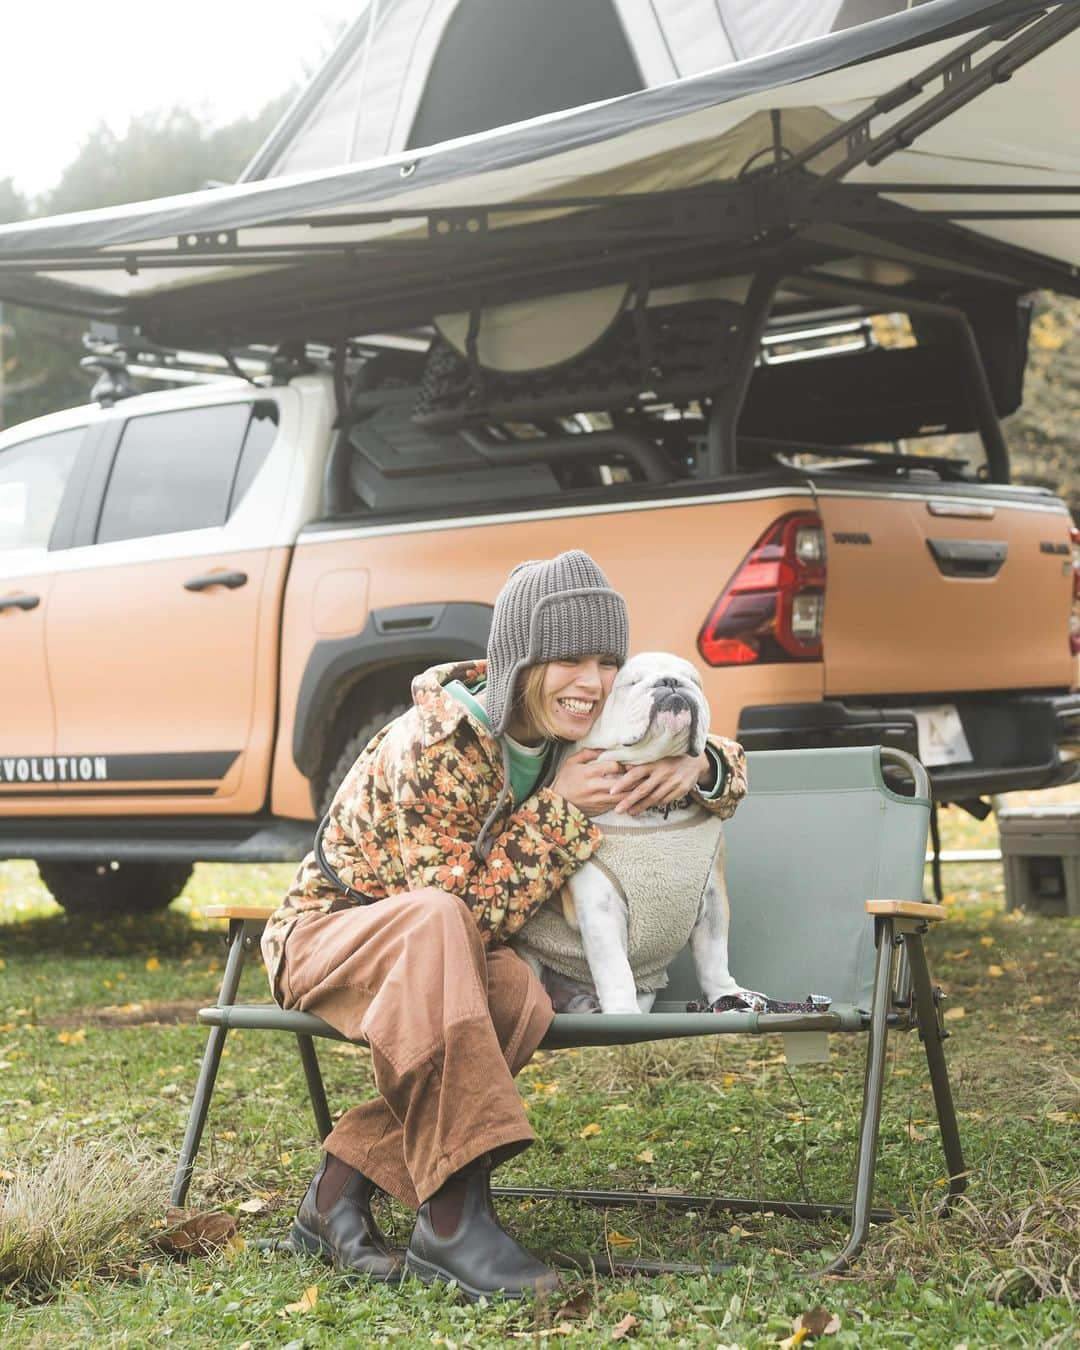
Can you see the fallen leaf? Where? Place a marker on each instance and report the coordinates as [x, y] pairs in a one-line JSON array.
[[5, 1175], [190, 1233], [253, 1206], [914, 1135], [986, 942], [646, 1156], [72, 1037], [578, 1306], [591, 1129], [304, 1303], [954, 1014], [616, 1239], [284, 1159], [152, 963], [797, 1338], [958, 956], [170, 1090], [818, 1322], [626, 1327], [995, 972]]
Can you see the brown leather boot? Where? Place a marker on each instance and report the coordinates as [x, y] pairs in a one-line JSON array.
[[479, 1255], [345, 1232]]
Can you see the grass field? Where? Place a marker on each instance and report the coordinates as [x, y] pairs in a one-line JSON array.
[[97, 1043]]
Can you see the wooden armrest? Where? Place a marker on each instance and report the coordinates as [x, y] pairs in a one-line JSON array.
[[907, 909], [253, 913]]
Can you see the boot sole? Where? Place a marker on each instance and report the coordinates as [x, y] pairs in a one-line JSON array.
[[426, 1273], [303, 1241]]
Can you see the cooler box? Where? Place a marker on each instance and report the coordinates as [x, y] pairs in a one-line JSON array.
[[1040, 847]]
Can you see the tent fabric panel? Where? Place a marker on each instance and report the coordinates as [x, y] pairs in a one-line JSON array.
[[543, 158], [529, 69]]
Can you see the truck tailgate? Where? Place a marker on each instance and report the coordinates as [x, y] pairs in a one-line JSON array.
[[979, 586]]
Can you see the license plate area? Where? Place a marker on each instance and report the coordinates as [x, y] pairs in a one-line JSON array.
[[942, 739]]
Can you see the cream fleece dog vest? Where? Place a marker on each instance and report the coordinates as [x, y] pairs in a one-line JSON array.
[[661, 874]]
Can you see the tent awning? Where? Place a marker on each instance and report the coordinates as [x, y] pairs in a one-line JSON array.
[[933, 151]]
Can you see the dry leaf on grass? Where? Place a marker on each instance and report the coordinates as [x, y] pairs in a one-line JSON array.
[[589, 1130], [578, 1306], [255, 1205], [816, 1322], [954, 1014], [303, 1304], [562, 1329], [627, 1327], [190, 1233], [616, 1239]]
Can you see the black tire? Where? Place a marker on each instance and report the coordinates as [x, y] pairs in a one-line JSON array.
[[114, 887], [351, 750]]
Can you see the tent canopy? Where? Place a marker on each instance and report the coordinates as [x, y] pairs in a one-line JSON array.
[[930, 152]]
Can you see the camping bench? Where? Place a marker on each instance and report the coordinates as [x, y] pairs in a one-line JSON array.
[[825, 866]]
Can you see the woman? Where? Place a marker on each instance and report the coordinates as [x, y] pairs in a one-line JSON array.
[[454, 821]]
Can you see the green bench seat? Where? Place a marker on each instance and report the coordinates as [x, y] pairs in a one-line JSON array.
[[825, 868]]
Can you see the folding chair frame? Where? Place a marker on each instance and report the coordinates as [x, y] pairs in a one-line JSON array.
[[901, 979]]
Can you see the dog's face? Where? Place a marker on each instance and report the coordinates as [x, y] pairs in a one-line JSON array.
[[656, 707]]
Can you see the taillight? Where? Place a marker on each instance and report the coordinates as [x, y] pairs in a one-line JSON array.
[[773, 608], [1074, 616]]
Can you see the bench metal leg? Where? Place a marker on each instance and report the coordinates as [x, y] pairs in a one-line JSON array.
[[316, 1090], [930, 1030], [873, 1090], [204, 1088]]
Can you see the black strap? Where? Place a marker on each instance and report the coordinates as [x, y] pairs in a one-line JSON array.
[[329, 873]]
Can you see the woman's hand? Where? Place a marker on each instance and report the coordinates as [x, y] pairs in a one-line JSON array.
[[659, 783], [585, 781]]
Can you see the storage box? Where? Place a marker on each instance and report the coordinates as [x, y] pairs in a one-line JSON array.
[[1040, 847]]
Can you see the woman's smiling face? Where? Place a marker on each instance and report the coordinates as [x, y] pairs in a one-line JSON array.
[[573, 693]]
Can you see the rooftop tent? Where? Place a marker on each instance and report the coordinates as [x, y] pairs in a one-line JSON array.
[[929, 151], [410, 73]]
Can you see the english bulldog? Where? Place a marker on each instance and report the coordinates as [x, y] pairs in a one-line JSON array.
[[657, 880]]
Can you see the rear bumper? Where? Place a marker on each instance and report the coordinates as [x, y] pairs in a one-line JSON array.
[[1018, 741]]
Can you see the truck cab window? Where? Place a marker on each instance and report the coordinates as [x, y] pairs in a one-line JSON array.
[[174, 471], [261, 433], [33, 476]]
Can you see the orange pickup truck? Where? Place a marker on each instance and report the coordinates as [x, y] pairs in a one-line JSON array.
[[211, 596]]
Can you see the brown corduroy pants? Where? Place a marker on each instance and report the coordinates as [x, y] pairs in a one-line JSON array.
[[449, 1022]]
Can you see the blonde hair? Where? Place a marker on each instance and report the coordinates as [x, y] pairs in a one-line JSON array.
[[529, 701]]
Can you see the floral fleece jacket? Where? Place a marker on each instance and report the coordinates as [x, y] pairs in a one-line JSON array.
[[412, 805]]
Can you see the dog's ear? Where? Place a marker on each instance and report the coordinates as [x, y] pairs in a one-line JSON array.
[[700, 732]]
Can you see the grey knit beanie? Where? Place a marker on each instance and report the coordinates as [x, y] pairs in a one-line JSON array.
[[557, 609]]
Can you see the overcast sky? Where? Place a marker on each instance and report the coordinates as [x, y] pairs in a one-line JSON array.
[[64, 67]]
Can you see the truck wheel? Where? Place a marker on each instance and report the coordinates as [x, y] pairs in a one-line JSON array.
[[114, 888], [351, 749]]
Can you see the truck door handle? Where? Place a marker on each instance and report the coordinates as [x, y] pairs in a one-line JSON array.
[[231, 580], [19, 601], [968, 557]]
